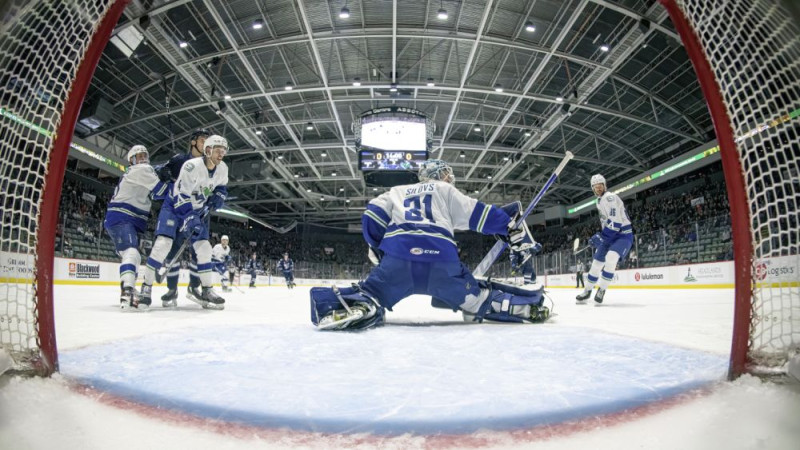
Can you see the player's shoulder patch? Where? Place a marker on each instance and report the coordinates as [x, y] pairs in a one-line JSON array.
[[610, 197], [189, 166]]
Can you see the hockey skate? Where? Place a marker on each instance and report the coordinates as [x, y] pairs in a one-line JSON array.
[[581, 298], [170, 299], [598, 297], [139, 302], [208, 299], [340, 318], [128, 298], [539, 314]]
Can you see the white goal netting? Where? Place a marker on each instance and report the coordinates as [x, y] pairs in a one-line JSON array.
[[42, 46], [753, 48]]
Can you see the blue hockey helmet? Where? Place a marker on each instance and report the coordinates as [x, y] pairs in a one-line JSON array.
[[436, 169]]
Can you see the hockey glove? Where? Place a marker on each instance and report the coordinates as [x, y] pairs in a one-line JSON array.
[[216, 201], [374, 255], [596, 240], [537, 247], [518, 239], [193, 225]]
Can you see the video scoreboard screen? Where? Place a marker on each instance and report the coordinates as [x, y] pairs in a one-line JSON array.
[[369, 160]]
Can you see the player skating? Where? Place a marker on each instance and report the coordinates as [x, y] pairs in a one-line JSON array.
[[253, 267], [221, 256], [201, 187], [611, 244], [126, 219], [522, 263], [409, 230], [286, 265], [167, 220]]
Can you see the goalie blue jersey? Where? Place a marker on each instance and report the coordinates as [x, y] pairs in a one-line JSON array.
[[132, 197], [416, 222]]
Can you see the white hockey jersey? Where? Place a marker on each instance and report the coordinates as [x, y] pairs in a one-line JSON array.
[[613, 216], [196, 184], [417, 221], [220, 253], [132, 197]]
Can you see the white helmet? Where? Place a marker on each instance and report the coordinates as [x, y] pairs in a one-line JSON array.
[[224, 238], [135, 150], [598, 179], [215, 141], [436, 169]]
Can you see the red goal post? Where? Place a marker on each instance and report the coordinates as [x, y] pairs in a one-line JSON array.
[[48, 54], [745, 54]]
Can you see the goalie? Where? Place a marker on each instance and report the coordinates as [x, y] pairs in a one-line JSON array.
[[409, 230]]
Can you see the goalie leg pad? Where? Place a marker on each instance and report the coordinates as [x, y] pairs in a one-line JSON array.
[[511, 303], [329, 312]]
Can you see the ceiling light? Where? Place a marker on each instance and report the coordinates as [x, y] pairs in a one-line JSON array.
[[322, 199], [374, 189], [441, 14], [356, 81], [258, 132], [183, 44], [527, 134], [498, 87], [488, 177], [477, 128], [347, 201], [289, 86], [529, 27], [258, 24], [309, 126], [604, 48], [308, 190], [333, 174], [559, 99], [476, 191], [297, 175], [505, 158], [227, 97], [393, 87], [323, 154], [341, 189], [431, 83], [344, 13], [280, 156], [462, 155]]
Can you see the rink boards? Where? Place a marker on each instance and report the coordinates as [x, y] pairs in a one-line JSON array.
[[771, 272]]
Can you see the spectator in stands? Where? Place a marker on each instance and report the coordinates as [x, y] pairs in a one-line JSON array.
[[67, 247], [633, 258]]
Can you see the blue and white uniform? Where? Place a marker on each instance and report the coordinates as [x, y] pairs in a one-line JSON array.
[[413, 225], [221, 256], [410, 233], [128, 212], [286, 266], [612, 243]]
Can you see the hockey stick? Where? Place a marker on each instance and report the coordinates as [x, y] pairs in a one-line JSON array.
[[168, 264], [280, 230], [500, 246], [575, 249]]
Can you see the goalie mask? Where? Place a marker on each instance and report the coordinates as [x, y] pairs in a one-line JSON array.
[[133, 157], [436, 169]]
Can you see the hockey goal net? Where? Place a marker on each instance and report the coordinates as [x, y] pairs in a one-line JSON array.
[[48, 53], [746, 54]]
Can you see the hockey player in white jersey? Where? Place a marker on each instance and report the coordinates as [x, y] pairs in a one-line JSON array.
[[200, 188], [126, 219], [221, 256], [409, 230], [611, 244]]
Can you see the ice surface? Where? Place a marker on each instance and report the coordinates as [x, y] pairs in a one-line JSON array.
[[261, 351]]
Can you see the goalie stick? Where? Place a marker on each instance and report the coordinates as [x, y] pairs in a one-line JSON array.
[[500, 246], [168, 264]]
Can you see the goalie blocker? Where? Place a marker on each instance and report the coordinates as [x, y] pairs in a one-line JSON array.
[[354, 309]]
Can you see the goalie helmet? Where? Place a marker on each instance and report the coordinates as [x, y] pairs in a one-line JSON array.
[[436, 169], [136, 150], [215, 141]]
